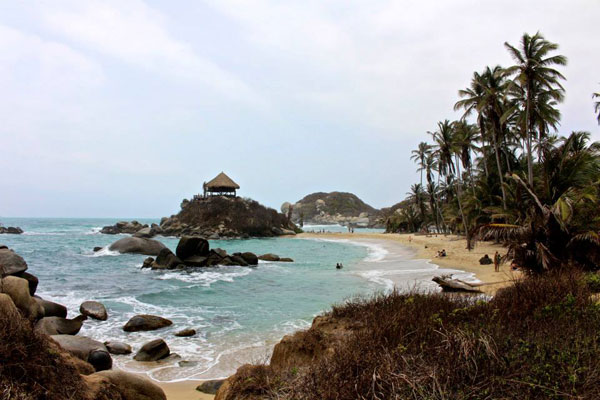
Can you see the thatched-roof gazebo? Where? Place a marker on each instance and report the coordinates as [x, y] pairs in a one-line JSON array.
[[221, 185]]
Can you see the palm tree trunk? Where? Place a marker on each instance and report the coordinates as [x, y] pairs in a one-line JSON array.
[[499, 166], [528, 136], [458, 195]]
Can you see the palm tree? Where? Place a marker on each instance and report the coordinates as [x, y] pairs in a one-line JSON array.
[[417, 196], [419, 155], [465, 137], [534, 74], [486, 95], [597, 105]]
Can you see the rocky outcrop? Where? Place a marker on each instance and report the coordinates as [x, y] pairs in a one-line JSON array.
[[50, 308], [123, 227], [117, 347], [60, 326], [93, 309], [333, 208], [194, 251], [129, 386], [225, 217], [145, 322], [137, 246], [11, 263], [154, 350], [32, 281], [10, 230], [274, 257], [18, 290], [210, 387], [85, 349]]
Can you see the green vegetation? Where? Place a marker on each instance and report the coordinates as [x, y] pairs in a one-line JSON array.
[[502, 172], [537, 339]]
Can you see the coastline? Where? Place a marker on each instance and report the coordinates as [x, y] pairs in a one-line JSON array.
[[420, 247], [426, 247]]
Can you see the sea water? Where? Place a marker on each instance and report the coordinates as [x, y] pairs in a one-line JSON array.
[[238, 312]]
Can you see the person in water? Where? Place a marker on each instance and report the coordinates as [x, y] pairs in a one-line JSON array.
[[339, 266]]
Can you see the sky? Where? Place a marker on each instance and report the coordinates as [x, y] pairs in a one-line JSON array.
[[123, 108]]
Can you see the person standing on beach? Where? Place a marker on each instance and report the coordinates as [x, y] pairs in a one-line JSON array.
[[497, 262]]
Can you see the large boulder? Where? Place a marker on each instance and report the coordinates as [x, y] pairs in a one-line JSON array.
[[118, 347], [93, 309], [51, 309], [186, 332], [11, 263], [18, 290], [145, 322], [32, 281], [210, 387], [15, 230], [153, 351], [269, 257], [86, 349], [130, 386], [189, 246], [195, 261], [166, 260], [137, 245], [60, 326], [7, 306], [250, 258], [144, 233]]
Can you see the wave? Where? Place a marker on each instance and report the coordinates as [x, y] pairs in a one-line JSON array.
[[103, 252], [376, 251], [206, 278], [34, 233], [94, 231]]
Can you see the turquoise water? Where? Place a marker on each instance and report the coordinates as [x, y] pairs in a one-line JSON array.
[[239, 312]]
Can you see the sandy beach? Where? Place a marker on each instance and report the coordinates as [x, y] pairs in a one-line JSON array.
[[426, 247], [402, 247]]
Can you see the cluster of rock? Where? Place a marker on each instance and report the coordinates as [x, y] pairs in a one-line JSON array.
[[134, 228], [11, 230], [17, 297], [195, 251], [333, 208]]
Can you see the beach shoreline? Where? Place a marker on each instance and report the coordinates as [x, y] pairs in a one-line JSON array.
[[425, 247], [407, 247]]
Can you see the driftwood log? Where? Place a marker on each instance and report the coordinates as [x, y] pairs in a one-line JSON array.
[[449, 284]]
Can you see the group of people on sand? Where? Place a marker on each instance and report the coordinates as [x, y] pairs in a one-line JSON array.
[[496, 261], [442, 253]]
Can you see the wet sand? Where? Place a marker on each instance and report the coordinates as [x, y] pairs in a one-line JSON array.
[[184, 390]]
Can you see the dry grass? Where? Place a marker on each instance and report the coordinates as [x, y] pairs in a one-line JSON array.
[[538, 339]]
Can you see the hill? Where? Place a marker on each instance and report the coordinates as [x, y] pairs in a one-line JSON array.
[[333, 208], [221, 216]]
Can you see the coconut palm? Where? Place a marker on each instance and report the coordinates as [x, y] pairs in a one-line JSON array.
[[486, 96], [597, 105], [534, 73], [419, 155]]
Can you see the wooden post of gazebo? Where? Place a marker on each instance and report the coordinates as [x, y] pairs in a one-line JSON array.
[[221, 185]]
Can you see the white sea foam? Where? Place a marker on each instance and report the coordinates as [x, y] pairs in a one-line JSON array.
[[34, 233], [103, 252], [206, 278], [93, 231]]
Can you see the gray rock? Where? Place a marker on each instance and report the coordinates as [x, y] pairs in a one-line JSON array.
[[146, 322], [136, 245], [166, 260], [32, 281], [250, 258], [195, 261], [94, 309], [51, 309], [18, 290], [132, 386], [269, 257], [97, 248], [153, 351], [60, 326], [190, 246], [148, 262], [285, 259], [210, 387], [117, 347], [86, 349], [238, 260], [144, 233], [11, 229], [11, 263], [186, 332]]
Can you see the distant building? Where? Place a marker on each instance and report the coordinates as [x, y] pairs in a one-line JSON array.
[[221, 185]]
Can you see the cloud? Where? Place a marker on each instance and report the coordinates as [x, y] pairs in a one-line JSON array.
[[138, 34]]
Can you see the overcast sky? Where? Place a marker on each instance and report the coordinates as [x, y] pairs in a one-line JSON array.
[[123, 108]]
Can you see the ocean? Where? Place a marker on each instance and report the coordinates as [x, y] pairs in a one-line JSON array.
[[238, 312]]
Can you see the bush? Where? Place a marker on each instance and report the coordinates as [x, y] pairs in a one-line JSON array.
[[538, 339]]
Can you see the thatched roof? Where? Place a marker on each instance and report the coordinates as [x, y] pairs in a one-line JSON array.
[[222, 181]]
